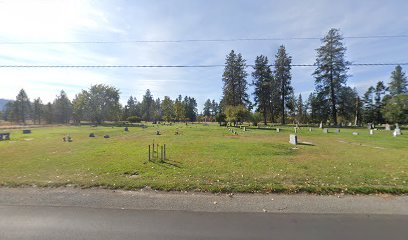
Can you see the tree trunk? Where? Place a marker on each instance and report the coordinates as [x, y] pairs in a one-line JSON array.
[[283, 103], [333, 100]]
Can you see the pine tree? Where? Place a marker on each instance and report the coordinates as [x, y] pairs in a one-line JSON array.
[[62, 108], [207, 108], [22, 107], [331, 72], [283, 78], [300, 107], [147, 106], [263, 85], [399, 82], [234, 78], [37, 110]]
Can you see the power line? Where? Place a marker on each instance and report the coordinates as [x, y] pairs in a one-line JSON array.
[[193, 40], [180, 66]]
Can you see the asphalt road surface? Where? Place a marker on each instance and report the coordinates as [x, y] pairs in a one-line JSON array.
[[59, 222]]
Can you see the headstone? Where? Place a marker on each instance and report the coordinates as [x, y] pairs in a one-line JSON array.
[[244, 129], [295, 128], [4, 136], [277, 130], [321, 125], [325, 130], [397, 132], [387, 127], [337, 130], [26, 131], [293, 139], [126, 129], [106, 136], [355, 133], [370, 125], [310, 129], [92, 135], [371, 132], [157, 132]]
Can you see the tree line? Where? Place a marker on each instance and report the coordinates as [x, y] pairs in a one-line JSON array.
[[331, 102], [98, 104]]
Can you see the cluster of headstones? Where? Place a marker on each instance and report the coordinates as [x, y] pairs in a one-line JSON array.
[[67, 138], [233, 131], [92, 135]]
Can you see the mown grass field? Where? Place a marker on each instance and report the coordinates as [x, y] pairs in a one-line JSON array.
[[208, 158]]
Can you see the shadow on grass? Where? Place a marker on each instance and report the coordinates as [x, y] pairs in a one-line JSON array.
[[305, 144], [167, 164]]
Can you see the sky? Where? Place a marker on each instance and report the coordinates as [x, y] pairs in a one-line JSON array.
[[42, 32]]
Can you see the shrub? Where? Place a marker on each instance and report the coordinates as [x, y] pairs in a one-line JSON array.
[[134, 119]]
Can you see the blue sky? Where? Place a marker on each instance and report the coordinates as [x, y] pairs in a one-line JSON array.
[[113, 20]]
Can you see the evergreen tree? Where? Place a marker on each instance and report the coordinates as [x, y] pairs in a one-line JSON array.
[[378, 102], [300, 109], [37, 110], [331, 72], [368, 105], [215, 108], [147, 106], [263, 85], [207, 108], [48, 110], [22, 107], [283, 79], [190, 106], [62, 108], [234, 78], [399, 83], [347, 104]]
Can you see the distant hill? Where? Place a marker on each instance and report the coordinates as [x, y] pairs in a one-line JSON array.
[[3, 103]]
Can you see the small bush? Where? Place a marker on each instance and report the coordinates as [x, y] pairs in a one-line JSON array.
[[134, 119]]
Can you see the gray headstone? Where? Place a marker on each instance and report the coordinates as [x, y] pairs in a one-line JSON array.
[[277, 130], [321, 125], [325, 130], [355, 133], [337, 130], [310, 129], [397, 132], [295, 128], [26, 131], [92, 135], [293, 139], [387, 127]]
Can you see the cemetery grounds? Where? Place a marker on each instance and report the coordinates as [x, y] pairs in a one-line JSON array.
[[207, 157]]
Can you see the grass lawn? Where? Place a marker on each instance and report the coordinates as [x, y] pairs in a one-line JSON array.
[[208, 158]]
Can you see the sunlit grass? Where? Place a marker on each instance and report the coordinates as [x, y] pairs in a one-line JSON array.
[[208, 158]]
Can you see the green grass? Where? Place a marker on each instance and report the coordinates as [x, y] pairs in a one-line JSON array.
[[208, 158]]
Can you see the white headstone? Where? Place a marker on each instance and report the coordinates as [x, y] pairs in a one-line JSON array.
[[310, 129], [355, 133], [371, 132], [387, 127], [337, 130], [397, 132], [321, 125], [277, 130], [325, 130], [293, 139]]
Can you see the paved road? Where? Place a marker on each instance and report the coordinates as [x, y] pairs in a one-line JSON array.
[[40, 222]]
